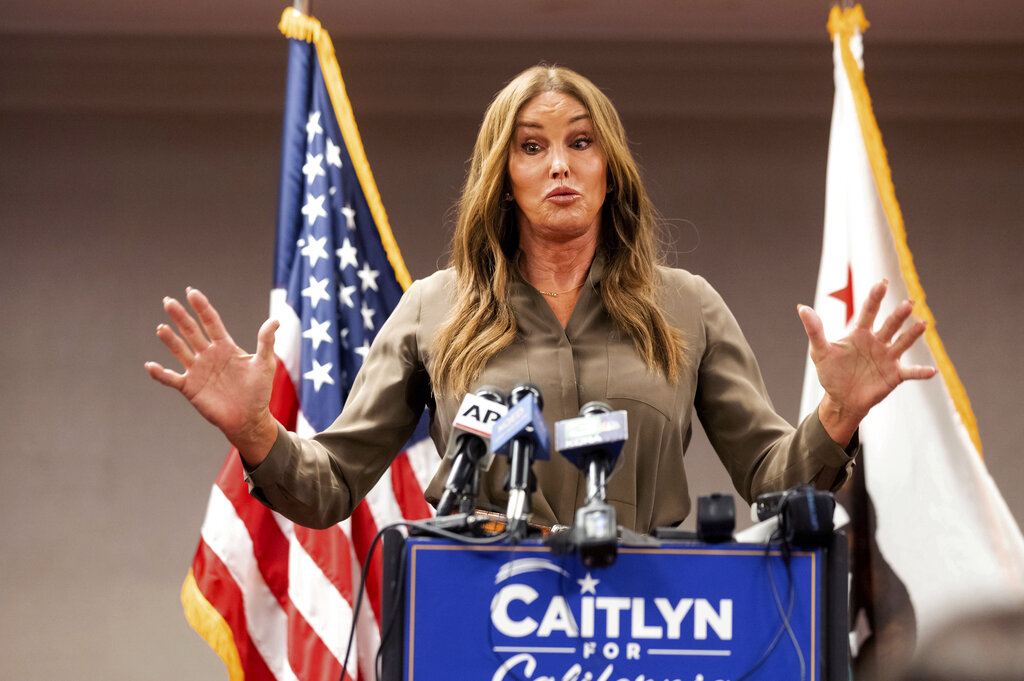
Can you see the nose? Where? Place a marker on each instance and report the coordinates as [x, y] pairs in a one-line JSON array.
[[559, 164]]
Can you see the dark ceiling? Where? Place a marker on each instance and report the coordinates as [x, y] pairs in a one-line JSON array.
[[893, 21]]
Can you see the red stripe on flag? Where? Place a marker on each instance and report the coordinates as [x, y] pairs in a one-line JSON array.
[[219, 588], [270, 545], [407, 490], [284, 403], [331, 551], [308, 657], [364, 529]]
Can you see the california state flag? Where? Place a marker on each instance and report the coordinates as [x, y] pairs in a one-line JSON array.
[[931, 534]]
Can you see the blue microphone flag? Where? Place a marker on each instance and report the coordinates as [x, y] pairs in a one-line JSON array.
[[522, 420]]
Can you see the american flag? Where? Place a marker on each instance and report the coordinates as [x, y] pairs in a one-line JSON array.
[[273, 599]]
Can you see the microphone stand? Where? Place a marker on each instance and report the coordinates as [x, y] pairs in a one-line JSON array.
[[521, 485], [597, 479], [464, 477]]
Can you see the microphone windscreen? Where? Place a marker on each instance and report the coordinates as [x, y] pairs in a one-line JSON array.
[[492, 393], [595, 407], [520, 391]]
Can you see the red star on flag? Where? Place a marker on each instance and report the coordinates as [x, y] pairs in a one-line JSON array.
[[845, 295]]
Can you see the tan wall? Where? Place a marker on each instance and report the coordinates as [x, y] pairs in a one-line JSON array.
[[130, 169]]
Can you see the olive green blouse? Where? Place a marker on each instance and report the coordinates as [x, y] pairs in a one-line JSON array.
[[317, 482]]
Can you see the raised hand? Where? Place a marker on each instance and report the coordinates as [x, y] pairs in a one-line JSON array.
[[860, 370], [228, 386]]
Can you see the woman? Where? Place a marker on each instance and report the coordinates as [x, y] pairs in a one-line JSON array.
[[554, 280]]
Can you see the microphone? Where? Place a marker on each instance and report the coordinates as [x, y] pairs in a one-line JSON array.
[[593, 442], [468, 448], [522, 436]]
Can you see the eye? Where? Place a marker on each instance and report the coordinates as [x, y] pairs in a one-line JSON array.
[[530, 147], [582, 142]]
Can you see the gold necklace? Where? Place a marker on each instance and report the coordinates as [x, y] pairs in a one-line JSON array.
[[555, 294]]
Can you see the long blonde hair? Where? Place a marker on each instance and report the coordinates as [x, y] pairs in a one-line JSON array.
[[486, 242]]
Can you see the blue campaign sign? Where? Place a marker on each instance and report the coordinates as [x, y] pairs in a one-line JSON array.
[[677, 612]]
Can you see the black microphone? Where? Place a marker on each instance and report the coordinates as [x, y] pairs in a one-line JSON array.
[[468, 448], [593, 442], [522, 436]]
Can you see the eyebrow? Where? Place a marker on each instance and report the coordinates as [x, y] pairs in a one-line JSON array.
[[531, 124]]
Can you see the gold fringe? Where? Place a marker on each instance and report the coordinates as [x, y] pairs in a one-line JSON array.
[[842, 24], [211, 626], [296, 25]]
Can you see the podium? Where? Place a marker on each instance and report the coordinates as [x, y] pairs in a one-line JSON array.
[[686, 611]]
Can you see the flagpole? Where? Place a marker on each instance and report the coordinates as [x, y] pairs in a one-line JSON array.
[[303, 7]]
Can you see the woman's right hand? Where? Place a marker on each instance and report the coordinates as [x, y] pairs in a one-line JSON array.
[[228, 386]]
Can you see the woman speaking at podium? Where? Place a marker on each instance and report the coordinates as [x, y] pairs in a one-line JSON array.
[[555, 278]]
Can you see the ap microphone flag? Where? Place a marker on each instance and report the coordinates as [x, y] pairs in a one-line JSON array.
[[477, 415]]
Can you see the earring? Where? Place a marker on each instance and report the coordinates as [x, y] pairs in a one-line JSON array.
[[507, 198]]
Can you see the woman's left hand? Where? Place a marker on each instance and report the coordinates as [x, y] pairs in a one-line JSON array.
[[860, 370]]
